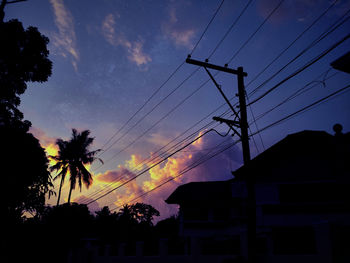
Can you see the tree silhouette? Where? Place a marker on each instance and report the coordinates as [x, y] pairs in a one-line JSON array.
[[138, 213], [26, 179], [72, 157], [61, 164], [23, 57]]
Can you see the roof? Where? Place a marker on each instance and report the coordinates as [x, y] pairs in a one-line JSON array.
[[342, 63], [307, 145], [212, 191]]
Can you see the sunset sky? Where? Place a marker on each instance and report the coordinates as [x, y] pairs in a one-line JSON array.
[[110, 56]]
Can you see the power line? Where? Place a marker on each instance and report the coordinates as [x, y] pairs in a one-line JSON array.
[[316, 103], [139, 109], [266, 19], [230, 28], [189, 168], [256, 125], [323, 35], [206, 28], [256, 31], [150, 111], [150, 159], [156, 123], [293, 42], [308, 64], [299, 92], [149, 168], [161, 86]]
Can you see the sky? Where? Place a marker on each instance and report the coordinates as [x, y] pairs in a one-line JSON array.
[[110, 56]]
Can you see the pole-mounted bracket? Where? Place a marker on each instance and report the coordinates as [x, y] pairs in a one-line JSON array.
[[230, 123]]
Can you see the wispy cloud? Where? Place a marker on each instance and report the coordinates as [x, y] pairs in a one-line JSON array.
[[180, 35], [65, 39], [134, 48]]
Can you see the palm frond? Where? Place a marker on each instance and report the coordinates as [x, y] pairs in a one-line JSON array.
[[87, 178]]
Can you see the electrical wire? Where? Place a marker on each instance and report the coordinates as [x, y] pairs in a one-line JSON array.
[[206, 28], [152, 159], [160, 87], [230, 29], [299, 92], [256, 31], [293, 42], [149, 168], [189, 168], [308, 64], [304, 109], [316, 103], [139, 109], [150, 111], [322, 36]]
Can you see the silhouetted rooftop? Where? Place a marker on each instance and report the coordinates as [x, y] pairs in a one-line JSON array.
[[201, 192], [308, 150], [310, 147]]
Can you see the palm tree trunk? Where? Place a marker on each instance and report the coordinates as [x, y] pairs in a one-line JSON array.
[[59, 192], [70, 193]]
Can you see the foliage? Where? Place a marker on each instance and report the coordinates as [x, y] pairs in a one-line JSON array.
[[72, 215], [26, 179], [23, 58], [139, 212], [72, 157]]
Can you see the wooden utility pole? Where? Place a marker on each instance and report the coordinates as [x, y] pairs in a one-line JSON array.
[[242, 124]]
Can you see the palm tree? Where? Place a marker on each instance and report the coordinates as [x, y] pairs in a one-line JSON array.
[[72, 157], [61, 164]]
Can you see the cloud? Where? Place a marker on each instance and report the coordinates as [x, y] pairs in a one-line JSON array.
[[180, 35], [135, 163], [218, 168], [44, 139], [134, 48], [47, 142], [65, 39], [108, 29], [120, 175]]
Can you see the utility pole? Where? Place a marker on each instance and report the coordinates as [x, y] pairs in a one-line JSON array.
[[240, 121]]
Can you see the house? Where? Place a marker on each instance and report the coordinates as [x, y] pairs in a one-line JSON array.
[[302, 203], [302, 210]]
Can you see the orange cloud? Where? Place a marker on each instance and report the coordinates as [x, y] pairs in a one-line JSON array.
[[135, 163], [216, 169], [119, 175], [47, 142]]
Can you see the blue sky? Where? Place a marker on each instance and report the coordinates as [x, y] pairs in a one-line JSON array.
[[109, 56]]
